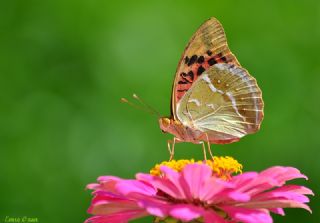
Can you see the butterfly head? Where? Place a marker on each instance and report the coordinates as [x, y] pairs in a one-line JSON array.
[[168, 125], [164, 124]]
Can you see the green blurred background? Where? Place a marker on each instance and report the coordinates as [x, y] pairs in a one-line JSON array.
[[64, 65]]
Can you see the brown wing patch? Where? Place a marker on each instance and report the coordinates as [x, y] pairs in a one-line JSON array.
[[197, 65], [208, 46]]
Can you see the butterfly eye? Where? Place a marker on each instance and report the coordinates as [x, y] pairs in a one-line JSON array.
[[166, 121]]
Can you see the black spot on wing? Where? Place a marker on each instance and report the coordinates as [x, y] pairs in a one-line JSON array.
[[212, 61], [220, 56], [186, 59], [200, 70], [200, 59], [192, 60], [209, 52], [190, 74], [224, 59]]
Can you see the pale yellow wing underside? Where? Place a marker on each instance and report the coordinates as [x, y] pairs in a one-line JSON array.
[[225, 102]]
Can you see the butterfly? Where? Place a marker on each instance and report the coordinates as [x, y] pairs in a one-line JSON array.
[[214, 99]]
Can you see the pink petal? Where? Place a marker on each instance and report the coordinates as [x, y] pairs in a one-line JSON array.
[[211, 216], [159, 211], [126, 187], [244, 178], [123, 217], [154, 206], [212, 189], [112, 208], [170, 184], [238, 196], [93, 186], [271, 195], [177, 179], [248, 215], [275, 204], [105, 183], [146, 178], [108, 178], [227, 194], [195, 176], [253, 183], [267, 179], [278, 211], [289, 192], [295, 188], [185, 212], [282, 174], [104, 204], [106, 196]]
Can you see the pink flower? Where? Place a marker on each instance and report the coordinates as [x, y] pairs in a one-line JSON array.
[[196, 193]]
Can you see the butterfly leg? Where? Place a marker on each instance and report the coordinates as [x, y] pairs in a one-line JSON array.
[[204, 151], [171, 148], [209, 146]]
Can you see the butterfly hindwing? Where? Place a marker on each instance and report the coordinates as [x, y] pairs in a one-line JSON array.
[[225, 102], [208, 46]]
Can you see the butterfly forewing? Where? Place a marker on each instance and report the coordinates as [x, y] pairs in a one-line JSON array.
[[208, 46], [225, 102]]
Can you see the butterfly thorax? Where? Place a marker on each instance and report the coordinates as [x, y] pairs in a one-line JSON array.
[[181, 131]]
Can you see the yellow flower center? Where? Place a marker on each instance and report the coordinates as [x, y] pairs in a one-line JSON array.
[[222, 167]]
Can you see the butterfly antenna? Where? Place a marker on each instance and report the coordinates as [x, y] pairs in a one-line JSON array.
[[124, 100], [151, 109]]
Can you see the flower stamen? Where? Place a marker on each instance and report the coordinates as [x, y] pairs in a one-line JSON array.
[[222, 167]]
